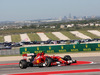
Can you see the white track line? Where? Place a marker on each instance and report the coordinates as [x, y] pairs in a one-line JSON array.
[[43, 36], [95, 32], [60, 36], [92, 62], [7, 38], [24, 37], [80, 35]]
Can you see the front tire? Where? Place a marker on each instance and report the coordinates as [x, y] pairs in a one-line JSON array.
[[48, 62], [23, 64], [67, 57]]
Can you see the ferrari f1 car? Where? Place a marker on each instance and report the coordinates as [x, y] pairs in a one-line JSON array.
[[42, 60]]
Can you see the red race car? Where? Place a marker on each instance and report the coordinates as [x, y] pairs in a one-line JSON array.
[[41, 60]]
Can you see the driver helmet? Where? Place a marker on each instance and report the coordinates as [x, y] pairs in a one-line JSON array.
[[42, 53]]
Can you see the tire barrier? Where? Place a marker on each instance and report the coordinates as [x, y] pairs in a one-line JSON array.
[[61, 48]]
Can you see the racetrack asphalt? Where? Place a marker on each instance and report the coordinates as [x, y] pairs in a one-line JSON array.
[[13, 69]]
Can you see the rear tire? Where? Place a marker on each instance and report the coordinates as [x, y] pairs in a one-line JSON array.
[[23, 64]]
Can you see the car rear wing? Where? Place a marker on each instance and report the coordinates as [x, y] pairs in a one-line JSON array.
[[27, 55]]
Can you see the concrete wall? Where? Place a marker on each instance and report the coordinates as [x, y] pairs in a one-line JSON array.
[[9, 52]]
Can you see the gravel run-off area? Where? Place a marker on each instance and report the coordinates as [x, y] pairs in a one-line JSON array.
[[95, 32], [80, 35], [24, 37], [60, 36], [43, 36], [7, 38]]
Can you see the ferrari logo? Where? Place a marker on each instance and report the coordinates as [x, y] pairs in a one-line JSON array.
[[62, 47], [73, 46], [25, 49], [86, 46], [37, 48], [37, 61], [49, 48], [98, 45], [60, 59]]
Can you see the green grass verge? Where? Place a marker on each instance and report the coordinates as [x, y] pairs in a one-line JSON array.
[[34, 36], [89, 34], [19, 31], [51, 36], [1, 38], [16, 38], [70, 35]]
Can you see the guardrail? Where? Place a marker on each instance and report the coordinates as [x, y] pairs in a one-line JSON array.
[[61, 48]]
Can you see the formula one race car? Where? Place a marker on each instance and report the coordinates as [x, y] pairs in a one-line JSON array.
[[41, 60]]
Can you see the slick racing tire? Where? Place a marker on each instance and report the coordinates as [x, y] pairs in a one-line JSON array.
[[67, 57], [48, 62], [23, 64]]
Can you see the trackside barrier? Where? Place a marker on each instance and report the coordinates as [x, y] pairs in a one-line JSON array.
[[9, 52], [61, 48]]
